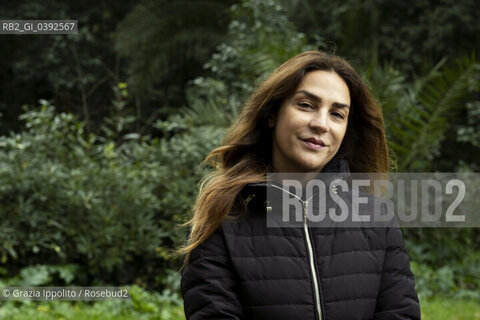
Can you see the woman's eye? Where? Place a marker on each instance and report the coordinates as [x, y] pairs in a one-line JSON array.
[[305, 105], [338, 115]]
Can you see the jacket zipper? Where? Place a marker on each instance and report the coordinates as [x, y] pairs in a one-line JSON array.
[[310, 252], [312, 262]]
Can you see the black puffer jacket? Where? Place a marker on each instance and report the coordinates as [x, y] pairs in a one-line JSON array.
[[246, 270]]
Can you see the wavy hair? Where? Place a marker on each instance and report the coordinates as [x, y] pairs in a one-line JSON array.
[[246, 152]]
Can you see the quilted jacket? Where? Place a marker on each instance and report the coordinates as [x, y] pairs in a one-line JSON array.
[[246, 270]]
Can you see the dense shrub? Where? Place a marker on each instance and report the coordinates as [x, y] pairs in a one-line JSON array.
[[108, 204]]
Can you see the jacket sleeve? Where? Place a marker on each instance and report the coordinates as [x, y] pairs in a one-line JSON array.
[[209, 285], [397, 298]]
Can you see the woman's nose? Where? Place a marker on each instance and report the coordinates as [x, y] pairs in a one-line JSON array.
[[319, 121]]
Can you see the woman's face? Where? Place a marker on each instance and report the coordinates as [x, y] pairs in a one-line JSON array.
[[310, 125]]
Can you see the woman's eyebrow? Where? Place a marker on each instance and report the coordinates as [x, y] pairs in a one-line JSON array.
[[318, 99]]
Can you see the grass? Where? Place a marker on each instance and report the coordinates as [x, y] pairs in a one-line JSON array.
[[149, 308], [449, 309]]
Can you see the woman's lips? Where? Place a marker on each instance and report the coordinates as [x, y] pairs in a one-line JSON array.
[[314, 144]]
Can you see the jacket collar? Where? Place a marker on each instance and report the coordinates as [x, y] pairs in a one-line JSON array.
[[337, 168]]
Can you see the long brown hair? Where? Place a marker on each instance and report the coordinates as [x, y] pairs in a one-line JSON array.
[[245, 154]]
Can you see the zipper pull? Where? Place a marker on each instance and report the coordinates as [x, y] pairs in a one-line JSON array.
[[305, 206]]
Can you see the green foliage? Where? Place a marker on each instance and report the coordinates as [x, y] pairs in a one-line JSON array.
[[447, 309], [446, 262], [260, 38], [76, 71], [121, 118], [41, 275], [390, 87], [154, 306], [403, 33], [470, 132], [167, 42], [417, 117], [432, 283], [69, 198], [142, 305]]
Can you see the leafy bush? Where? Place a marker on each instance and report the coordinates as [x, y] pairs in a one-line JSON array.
[[107, 204], [41, 275], [445, 262], [143, 305], [68, 199]]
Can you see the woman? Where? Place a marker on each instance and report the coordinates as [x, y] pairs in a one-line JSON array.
[[313, 114]]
